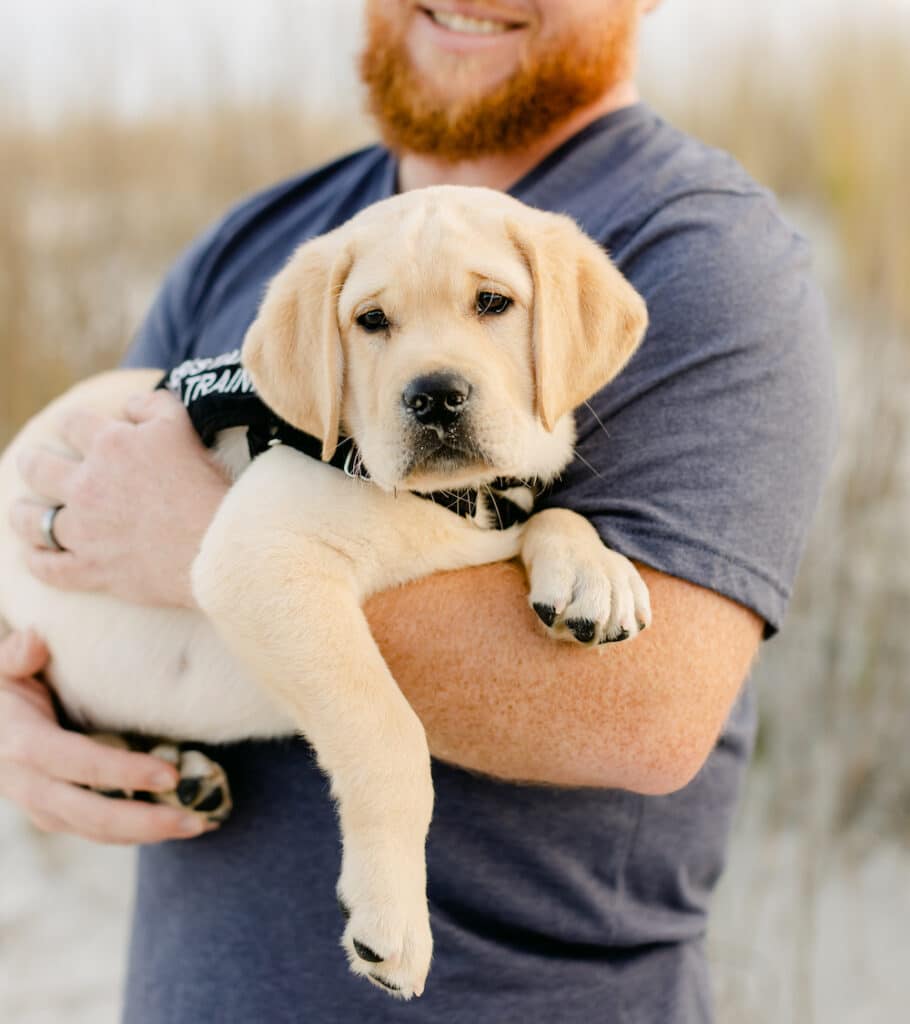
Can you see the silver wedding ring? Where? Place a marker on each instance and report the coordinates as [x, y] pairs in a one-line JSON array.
[[47, 528]]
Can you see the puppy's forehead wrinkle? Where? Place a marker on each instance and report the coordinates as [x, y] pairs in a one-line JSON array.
[[432, 260]]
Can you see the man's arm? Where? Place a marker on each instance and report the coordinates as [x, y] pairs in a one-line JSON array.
[[498, 696]]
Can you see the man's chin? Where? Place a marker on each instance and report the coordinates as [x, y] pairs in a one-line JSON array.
[[445, 105]]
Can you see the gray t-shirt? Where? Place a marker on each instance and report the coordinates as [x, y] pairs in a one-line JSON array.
[[553, 905]]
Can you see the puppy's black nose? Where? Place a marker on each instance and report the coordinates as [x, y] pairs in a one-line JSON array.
[[436, 399]]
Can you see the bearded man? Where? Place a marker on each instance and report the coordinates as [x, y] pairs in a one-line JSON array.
[[581, 894]]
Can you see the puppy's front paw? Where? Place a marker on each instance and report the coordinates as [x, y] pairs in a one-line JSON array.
[[387, 935], [585, 593]]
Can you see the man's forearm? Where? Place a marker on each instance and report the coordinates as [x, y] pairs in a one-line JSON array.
[[497, 695]]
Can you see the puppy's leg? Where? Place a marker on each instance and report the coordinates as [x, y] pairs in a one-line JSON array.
[[287, 606], [580, 589]]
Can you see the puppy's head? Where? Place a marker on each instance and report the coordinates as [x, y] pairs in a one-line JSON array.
[[450, 331]]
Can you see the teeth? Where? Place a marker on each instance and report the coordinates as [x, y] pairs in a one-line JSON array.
[[460, 23]]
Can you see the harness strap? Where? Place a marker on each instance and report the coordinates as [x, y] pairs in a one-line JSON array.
[[218, 394]]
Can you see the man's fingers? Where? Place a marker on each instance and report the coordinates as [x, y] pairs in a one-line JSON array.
[[61, 807], [79, 427], [47, 822], [59, 569], [119, 821], [72, 757], [22, 655], [152, 405], [47, 473]]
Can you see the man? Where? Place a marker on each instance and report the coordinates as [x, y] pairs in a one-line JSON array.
[[583, 897]]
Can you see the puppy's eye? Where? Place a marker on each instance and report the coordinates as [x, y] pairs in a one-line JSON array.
[[373, 320], [491, 302]]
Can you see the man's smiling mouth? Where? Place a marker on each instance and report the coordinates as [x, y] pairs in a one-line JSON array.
[[468, 25]]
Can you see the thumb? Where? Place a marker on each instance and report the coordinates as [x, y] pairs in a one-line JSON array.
[[152, 405], [22, 655]]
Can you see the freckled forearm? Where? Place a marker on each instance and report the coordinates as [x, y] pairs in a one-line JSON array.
[[497, 695]]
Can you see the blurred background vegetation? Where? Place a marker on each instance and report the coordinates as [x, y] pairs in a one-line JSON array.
[[810, 923]]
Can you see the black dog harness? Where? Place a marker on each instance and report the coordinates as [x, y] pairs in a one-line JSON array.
[[218, 394]]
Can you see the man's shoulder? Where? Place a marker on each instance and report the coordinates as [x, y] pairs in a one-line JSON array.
[[719, 263], [213, 290], [316, 194], [633, 167], [254, 239], [687, 185], [674, 163]]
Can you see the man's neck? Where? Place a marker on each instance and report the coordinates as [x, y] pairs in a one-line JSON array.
[[500, 171]]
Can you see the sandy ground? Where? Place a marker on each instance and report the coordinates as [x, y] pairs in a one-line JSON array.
[[63, 926]]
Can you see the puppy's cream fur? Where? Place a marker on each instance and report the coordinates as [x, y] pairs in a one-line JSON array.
[[297, 546]]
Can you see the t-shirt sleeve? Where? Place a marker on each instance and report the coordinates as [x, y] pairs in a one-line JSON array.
[[707, 455], [166, 336]]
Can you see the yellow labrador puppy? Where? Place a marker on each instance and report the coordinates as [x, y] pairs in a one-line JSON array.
[[435, 345]]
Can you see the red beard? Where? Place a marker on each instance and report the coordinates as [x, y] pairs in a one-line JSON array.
[[552, 82]]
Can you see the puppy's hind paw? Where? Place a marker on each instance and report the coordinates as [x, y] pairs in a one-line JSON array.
[[203, 785]]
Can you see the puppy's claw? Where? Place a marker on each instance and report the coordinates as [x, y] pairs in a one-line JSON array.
[[212, 802], [545, 612], [385, 984], [365, 953], [582, 629]]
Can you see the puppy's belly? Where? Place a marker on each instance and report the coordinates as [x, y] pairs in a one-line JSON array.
[[121, 667]]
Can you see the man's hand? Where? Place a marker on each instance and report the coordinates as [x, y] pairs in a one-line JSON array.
[[40, 763], [136, 501]]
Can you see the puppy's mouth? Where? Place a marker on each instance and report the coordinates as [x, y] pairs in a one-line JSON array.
[[444, 454]]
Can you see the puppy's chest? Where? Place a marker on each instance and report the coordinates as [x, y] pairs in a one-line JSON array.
[[231, 418]]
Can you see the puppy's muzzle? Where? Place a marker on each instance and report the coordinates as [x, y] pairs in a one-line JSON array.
[[437, 401]]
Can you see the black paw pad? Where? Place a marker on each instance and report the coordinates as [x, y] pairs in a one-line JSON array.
[[384, 983], [365, 953], [546, 613], [187, 791], [623, 634], [344, 908], [582, 629], [212, 802], [114, 794]]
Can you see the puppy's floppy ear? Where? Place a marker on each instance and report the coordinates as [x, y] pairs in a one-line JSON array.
[[292, 349], [587, 319]]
